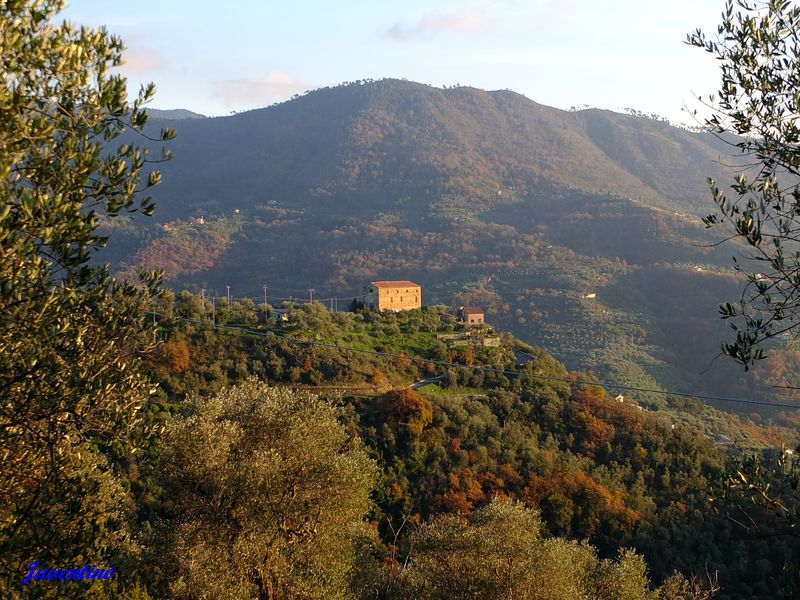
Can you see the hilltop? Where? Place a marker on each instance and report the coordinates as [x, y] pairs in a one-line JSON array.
[[392, 144], [173, 114]]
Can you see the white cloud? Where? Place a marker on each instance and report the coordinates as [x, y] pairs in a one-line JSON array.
[[273, 87], [468, 21], [141, 60]]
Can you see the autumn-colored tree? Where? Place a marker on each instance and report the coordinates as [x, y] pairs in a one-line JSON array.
[[587, 502], [406, 409], [463, 493], [176, 355]]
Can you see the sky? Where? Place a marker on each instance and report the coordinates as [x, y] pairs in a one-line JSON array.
[[216, 58]]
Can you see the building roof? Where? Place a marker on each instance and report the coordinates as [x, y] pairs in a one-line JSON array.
[[471, 310], [393, 284]]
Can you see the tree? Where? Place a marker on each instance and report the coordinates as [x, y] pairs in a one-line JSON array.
[[71, 396], [500, 553], [768, 483], [275, 506], [758, 101]]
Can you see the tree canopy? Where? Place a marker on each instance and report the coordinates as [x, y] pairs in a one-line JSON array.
[[758, 47], [71, 397], [275, 506], [500, 553]]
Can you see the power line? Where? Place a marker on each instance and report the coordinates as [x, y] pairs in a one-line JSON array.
[[298, 299], [434, 290], [605, 384]]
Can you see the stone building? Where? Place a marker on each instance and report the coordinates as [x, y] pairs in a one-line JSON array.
[[470, 315], [393, 295]]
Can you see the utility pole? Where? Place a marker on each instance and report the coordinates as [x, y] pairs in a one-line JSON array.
[[229, 294], [311, 295], [265, 293]]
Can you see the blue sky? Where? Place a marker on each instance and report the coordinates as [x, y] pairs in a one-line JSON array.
[[215, 58]]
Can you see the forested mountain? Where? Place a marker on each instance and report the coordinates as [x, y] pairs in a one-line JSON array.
[[395, 144], [482, 197]]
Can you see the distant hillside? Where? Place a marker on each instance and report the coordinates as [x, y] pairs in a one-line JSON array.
[[578, 231], [389, 144], [175, 114]]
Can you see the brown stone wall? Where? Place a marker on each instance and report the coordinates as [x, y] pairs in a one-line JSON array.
[[399, 298]]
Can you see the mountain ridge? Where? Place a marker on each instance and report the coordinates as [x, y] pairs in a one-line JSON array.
[[396, 139]]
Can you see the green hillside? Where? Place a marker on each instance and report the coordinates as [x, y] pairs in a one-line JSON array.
[[484, 426], [479, 196], [393, 143]]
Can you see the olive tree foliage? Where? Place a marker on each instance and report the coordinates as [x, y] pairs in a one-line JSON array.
[[758, 47], [267, 494], [71, 397], [770, 481], [767, 483], [500, 553]]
